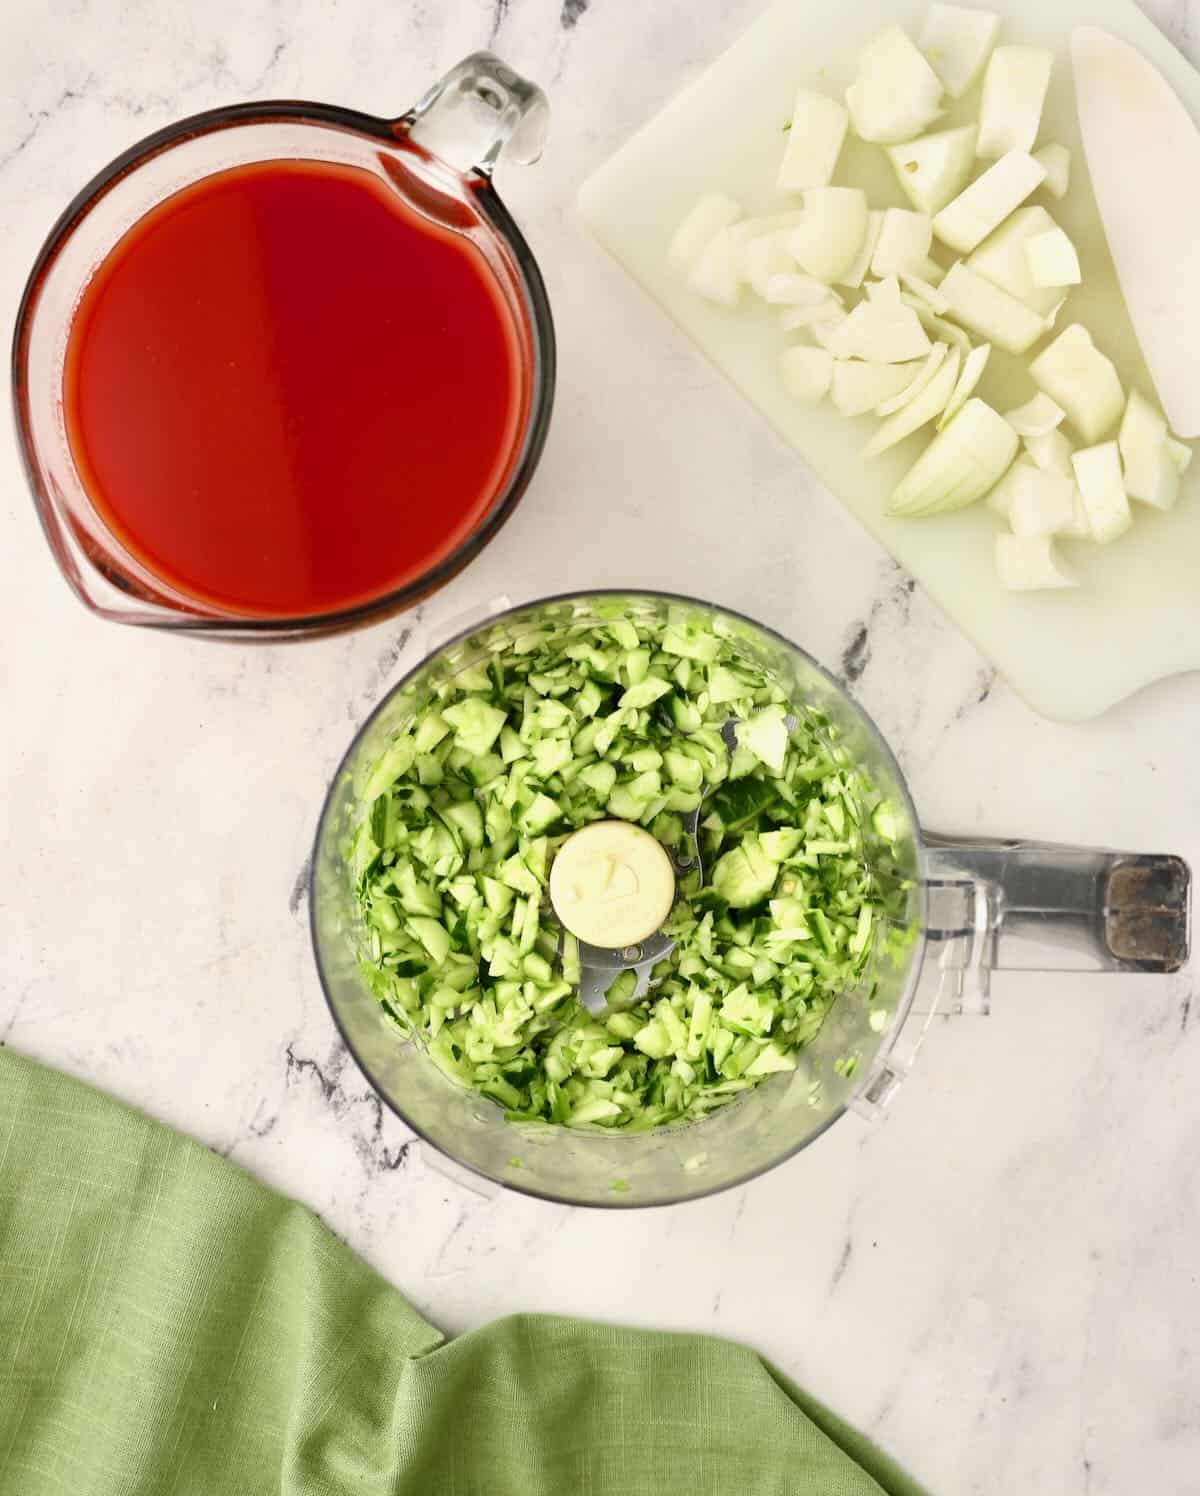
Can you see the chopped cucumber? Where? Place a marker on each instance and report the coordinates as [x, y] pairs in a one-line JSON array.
[[616, 718]]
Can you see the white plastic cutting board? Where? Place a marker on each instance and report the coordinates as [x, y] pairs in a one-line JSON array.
[[1136, 617]]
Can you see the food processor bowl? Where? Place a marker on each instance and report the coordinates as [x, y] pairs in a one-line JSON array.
[[968, 908]]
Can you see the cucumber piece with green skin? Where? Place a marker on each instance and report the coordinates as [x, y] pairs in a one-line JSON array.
[[467, 818], [765, 736], [745, 875], [738, 805], [476, 724], [622, 718]]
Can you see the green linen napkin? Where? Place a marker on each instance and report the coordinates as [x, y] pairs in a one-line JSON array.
[[168, 1326]]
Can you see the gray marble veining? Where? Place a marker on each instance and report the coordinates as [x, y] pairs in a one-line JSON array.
[[999, 1280]]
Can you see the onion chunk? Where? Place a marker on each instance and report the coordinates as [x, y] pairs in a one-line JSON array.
[[965, 459], [1036, 417], [1014, 91], [827, 240], [709, 215], [1075, 374], [958, 42], [904, 242], [896, 93], [1052, 451], [715, 274], [814, 142], [881, 333], [1098, 473], [1042, 503], [917, 412], [1151, 473], [1052, 259], [968, 378], [986, 203], [989, 311], [935, 168], [859, 387], [1002, 258]]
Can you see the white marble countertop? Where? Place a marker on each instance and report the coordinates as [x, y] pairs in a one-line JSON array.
[[1000, 1280]]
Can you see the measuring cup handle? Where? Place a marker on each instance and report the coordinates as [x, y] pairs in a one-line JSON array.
[[1033, 906], [478, 110]]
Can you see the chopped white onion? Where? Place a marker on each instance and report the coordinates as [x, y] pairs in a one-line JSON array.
[[760, 224], [1074, 372], [1098, 473], [826, 329], [794, 288], [1052, 259], [814, 142], [828, 238], [806, 372], [819, 312], [895, 352], [930, 295], [715, 274], [710, 214], [957, 42], [1014, 91], [934, 360], [885, 290], [1142, 436], [751, 230], [966, 458], [1051, 450], [1160, 487], [1042, 503], [937, 327], [1151, 474], [966, 221], [896, 93], [1036, 416], [853, 276], [1002, 259], [989, 311], [904, 242], [880, 333], [968, 378], [1056, 159], [1030, 564], [918, 411], [999, 499], [859, 387], [933, 169], [760, 260]]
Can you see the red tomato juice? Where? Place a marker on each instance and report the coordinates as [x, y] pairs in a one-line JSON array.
[[288, 392]]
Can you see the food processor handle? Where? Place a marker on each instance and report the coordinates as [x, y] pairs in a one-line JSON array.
[[1034, 906], [478, 110]]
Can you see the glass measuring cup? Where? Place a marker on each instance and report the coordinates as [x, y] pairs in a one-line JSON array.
[[438, 157], [977, 906]]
